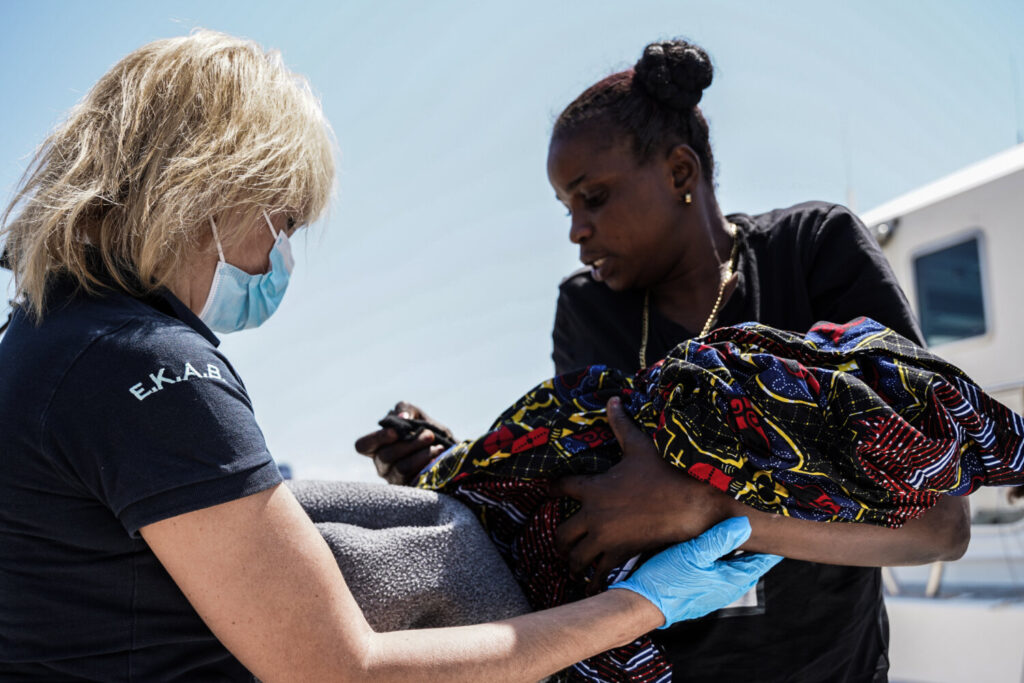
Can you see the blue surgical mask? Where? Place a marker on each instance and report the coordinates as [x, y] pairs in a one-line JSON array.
[[238, 300]]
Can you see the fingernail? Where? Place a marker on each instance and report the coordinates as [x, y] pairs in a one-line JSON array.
[[404, 415]]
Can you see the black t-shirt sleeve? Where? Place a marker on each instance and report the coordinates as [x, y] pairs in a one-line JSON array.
[[849, 276], [155, 423]]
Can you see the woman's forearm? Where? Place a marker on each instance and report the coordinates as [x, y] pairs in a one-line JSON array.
[[525, 648], [263, 579], [941, 533], [684, 581], [615, 522]]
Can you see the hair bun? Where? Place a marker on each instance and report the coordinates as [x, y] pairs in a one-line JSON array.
[[674, 73]]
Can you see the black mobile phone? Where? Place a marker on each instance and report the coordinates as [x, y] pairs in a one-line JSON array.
[[409, 428]]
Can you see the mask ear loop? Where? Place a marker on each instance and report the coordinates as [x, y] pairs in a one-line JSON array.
[[269, 224], [217, 272], [216, 239]]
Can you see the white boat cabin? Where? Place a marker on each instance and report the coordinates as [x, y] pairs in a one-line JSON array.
[[957, 248]]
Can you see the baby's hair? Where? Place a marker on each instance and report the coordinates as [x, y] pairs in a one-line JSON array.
[[655, 103], [178, 131]]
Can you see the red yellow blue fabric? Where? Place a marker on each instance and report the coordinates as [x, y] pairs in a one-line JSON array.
[[846, 423]]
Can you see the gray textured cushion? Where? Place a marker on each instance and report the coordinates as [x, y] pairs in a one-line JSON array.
[[412, 558]]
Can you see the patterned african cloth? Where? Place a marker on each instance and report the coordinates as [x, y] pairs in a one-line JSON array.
[[849, 423]]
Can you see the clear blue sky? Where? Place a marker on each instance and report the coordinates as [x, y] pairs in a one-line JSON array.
[[434, 277]]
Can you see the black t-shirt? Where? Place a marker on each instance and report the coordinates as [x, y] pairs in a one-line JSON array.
[[814, 261], [116, 413]]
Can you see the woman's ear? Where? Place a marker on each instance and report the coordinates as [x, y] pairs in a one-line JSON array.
[[684, 168]]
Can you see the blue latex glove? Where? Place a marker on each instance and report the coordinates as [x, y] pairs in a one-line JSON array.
[[689, 580]]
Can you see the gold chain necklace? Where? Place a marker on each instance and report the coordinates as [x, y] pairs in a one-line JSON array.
[[726, 276]]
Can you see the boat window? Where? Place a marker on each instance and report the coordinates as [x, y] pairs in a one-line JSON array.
[[949, 293]]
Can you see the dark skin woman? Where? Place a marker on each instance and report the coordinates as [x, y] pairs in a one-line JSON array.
[[631, 161]]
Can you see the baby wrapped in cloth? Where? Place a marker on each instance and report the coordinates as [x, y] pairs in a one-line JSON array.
[[849, 423]]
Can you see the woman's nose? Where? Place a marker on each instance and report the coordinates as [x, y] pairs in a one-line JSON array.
[[580, 229]]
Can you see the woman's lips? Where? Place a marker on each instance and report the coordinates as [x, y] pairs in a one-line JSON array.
[[596, 267]]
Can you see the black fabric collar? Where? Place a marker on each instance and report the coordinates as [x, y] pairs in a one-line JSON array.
[[162, 299], [165, 302]]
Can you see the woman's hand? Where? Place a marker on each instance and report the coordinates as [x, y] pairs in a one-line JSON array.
[[400, 461], [689, 580], [640, 504]]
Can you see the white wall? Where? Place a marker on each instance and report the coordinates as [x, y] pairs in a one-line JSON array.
[[996, 209]]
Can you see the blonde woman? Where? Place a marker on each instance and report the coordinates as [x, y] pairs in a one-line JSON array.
[[144, 530]]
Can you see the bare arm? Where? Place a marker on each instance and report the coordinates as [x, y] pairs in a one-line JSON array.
[[615, 523], [261, 577], [525, 648], [941, 533]]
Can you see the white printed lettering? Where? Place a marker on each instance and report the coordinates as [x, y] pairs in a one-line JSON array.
[[139, 392], [159, 380]]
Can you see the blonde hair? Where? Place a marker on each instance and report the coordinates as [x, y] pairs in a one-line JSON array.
[[179, 130]]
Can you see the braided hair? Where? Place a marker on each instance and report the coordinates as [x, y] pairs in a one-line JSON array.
[[655, 103]]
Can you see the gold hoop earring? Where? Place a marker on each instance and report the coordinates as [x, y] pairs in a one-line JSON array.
[[687, 198]]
